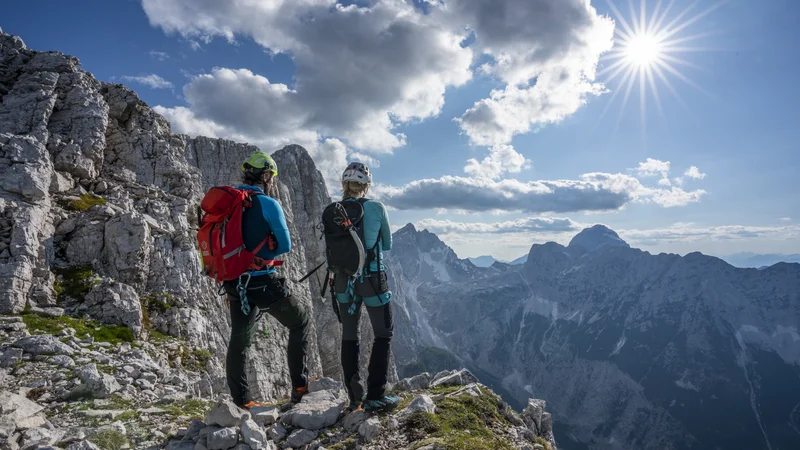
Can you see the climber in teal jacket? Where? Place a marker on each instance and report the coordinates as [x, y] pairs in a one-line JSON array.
[[373, 291]]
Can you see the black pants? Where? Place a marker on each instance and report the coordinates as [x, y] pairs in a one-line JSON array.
[[383, 328], [265, 294]]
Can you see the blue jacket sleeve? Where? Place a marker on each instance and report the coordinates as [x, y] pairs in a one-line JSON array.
[[386, 230], [273, 214]]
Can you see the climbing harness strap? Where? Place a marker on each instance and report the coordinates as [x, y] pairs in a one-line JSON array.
[[242, 290]]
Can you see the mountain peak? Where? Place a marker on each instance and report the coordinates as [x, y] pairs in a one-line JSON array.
[[408, 228], [596, 237]]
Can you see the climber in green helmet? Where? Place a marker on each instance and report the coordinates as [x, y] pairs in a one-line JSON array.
[[264, 291]]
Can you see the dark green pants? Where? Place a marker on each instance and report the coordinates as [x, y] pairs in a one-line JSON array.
[[267, 294]]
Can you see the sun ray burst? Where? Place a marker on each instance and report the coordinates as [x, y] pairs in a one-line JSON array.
[[647, 52]]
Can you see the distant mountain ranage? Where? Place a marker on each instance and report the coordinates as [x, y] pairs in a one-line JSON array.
[[630, 350], [748, 259]]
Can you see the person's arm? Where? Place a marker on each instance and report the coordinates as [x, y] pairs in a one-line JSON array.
[[273, 214], [386, 230]]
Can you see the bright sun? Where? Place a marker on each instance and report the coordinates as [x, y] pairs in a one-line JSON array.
[[648, 47], [643, 50]]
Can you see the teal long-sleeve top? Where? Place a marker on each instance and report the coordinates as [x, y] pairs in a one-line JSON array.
[[376, 225], [265, 216]]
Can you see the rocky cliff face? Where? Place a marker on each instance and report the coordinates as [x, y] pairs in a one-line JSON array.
[[98, 202], [632, 350]]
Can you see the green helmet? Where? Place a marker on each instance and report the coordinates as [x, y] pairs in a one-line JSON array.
[[260, 160]]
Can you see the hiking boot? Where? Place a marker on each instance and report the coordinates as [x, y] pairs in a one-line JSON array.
[[298, 393], [250, 404], [354, 406], [386, 403]]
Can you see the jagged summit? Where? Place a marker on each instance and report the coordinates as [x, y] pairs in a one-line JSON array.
[[408, 228], [596, 237]]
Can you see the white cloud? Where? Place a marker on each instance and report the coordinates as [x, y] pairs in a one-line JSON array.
[[694, 173], [653, 167], [592, 192], [669, 197], [690, 233], [359, 70], [161, 56], [785, 219], [676, 196], [531, 224], [546, 51], [153, 81], [501, 159], [512, 111]]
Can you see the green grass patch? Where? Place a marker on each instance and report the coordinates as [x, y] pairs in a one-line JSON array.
[[405, 400], [421, 424], [106, 368], [444, 390], [193, 408], [117, 402], [347, 444], [129, 416], [158, 302], [112, 334], [109, 439], [199, 358], [74, 281], [461, 422], [85, 202]]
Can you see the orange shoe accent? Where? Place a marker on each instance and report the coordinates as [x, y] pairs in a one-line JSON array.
[[251, 404]]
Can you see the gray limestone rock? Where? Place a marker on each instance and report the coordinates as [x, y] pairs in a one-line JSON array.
[[18, 408], [62, 361], [180, 445], [532, 415], [10, 356], [253, 434], [353, 419], [420, 403], [83, 445], [128, 243], [115, 303], [421, 381], [301, 437], [325, 384], [194, 429], [455, 378], [44, 344], [317, 410], [95, 384], [277, 432], [265, 415], [370, 428], [225, 413], [223, 439]]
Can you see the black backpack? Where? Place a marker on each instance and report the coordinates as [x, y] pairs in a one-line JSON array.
[[344, 234]]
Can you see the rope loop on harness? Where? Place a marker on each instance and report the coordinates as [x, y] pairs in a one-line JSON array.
[[242, 289]]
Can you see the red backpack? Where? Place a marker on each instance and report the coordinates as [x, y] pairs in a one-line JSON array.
[[220, 235]]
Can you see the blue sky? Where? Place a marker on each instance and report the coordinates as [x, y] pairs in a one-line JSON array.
[[348, 82]]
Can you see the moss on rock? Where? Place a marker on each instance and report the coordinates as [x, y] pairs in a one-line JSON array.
[[85, 202], [112, 334]]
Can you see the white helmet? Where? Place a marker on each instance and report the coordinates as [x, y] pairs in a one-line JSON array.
[[357, 172]]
